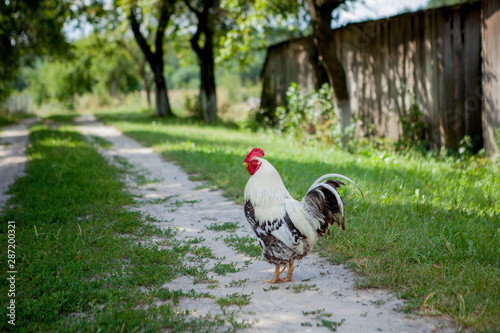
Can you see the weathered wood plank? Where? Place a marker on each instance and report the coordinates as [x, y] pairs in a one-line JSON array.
[[459, 88], [491, 77], [448, 93], [439, 49], [397, 75], [431, 109], [472, 72]]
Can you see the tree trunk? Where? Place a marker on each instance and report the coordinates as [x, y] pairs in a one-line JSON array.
[[148, 95], [162, 102], [208, 94], [146, 82], [321, 18], [114, 86], [155, 60]]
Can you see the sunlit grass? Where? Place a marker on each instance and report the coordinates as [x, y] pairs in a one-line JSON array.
[[427, 229]]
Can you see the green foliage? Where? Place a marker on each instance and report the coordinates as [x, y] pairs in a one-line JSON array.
[[59, 80], [252, 27], [428, 228], [331, 325], [8, 118], [307, 115], [94, 64], [29, 28], [443, 3], [414, 129]]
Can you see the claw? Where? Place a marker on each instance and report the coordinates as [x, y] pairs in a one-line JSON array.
[[289, 274], [276, 276]]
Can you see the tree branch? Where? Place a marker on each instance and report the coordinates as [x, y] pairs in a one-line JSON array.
[[140, 38], [202, 26], [191, 8], [163, 19]]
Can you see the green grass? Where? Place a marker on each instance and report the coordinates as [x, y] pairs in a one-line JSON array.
[[7, 118], [225, 226], [236, 283], [298, 288], [322, 322], [246, 245], [221, 268], [82, 259], [233, 299], [428, 229]]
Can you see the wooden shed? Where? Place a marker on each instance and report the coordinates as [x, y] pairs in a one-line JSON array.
[[445, 61]]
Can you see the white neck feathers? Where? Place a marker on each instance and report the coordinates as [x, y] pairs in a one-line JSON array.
[[265, 187]]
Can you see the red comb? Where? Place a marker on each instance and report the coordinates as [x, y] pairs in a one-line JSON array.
[[256, 152]]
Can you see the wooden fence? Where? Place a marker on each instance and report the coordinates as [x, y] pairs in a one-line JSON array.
[[491, 76], [291, 61], [429, 59]]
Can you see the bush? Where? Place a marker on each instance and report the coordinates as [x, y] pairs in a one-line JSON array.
[[415, 129], [307, 115]]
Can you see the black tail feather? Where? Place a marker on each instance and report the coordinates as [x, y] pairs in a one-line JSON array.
[[326, 205]]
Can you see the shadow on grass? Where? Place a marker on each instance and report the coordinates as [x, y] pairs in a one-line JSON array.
[[385, 178]]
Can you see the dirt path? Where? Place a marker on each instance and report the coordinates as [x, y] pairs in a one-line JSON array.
[[277, 310], [13, 141]]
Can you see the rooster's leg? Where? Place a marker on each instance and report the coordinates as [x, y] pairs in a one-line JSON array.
[[276, 276], [289, 274]]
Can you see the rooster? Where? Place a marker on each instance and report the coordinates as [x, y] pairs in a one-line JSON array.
[[286, 228]]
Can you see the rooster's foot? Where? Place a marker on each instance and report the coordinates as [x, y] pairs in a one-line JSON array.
[[276, 277], [289, 274]]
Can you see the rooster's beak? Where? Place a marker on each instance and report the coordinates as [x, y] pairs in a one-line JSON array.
[[245, 163]]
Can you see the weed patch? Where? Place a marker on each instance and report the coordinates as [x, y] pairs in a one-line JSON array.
[[320, 316], [236, 283], [245, 245], [225, 226], [298, 288], [234, 299]]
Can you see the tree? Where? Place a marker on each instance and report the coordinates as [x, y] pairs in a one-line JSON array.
[[257, 24], [29, 28], [321, 18], [113, 69], [92, 64], [206, 24], [154, 56]]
